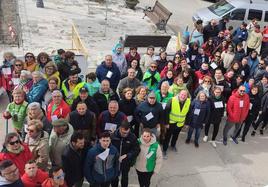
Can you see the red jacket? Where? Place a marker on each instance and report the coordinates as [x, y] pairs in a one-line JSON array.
[[199, 76], [6, 79], [237, 108], [40, 177], [265, 35], [49, 183], [18, 159], [61, 111]]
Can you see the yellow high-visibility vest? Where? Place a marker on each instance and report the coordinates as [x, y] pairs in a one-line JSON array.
[[178, 115]]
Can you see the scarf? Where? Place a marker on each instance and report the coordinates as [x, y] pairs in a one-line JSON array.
[[16, 151], [152, 78]]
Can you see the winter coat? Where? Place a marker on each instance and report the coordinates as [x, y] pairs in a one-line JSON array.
[[170, 82], [128, 107], [65, 69], [61, 111], [239, 55], [161, 63], [146, 61], [227, 58], [127, 83], [199, 113], [222, 83], [56, 75], [199, 60], [208, 92], [258, 74], [18, 159], [199, 75], [254, 39], [6, 79], [237, 108], [57, 143], [40, 177], [90, 102], [264, 102], [5, 183], [129, 58], [102, 101], [120, 61], [151, 80], [176, 89], [253, 63], [126, 145], [217, 111], [97, 170], [161, 99], [210, 31], [103, 72], [39, 148], [73, 163], [37, 92], [255, 105], [240, 35], [92, 87], [245, 71]]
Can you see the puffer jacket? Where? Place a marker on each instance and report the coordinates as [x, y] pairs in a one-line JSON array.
[[37, 92], [216, 113]]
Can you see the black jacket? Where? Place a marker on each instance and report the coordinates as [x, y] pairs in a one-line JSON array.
[[128, 107], [101, 100], [216, 113], [91, 104], [73, 164], [126, 145], [255, 105]]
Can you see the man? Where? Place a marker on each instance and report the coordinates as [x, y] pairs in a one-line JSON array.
[[88, 100], [10, 176], [240, 34], [71, 86], [102, 154], [59, 138], [127, 144], [128, 82], [220, 82], [73, 158], [177, 109], [109, 70], [210, 30], [150, 114], [33, 176], [104, 96], [237, 110], [259, 71], [110, 119], [254, 39]]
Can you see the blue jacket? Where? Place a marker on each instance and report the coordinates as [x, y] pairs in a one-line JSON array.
[[240, 35], [253, 63], [37, 92], [197, 119], [98, 171], [102, 71]]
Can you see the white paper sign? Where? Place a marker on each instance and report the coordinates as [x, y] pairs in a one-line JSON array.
[[164, 105], [110, 126], [218, 104], [104, 154], [54, 117], [243, 73], [15, 81], [149, 155], [109, 74], [241, 104], [129, 118], [250, 106], [196, 111], [6, 71], [200, 81], [213, 65], [193, 57], [70, 95], [149, 116]]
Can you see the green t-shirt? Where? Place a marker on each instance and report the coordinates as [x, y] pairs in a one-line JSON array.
[[18, 113]]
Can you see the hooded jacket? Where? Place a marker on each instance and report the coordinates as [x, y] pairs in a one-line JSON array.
[[37, 92]]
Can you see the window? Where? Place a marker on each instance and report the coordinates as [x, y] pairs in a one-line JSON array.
[[254, 14], [266, 16], [221, 8], [238, 14]]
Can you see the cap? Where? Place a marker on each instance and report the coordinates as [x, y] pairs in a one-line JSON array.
[[59, 122], [83, 89], [151, 94]]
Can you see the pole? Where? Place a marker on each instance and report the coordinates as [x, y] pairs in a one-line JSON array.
[[106, 19], [6, 126]]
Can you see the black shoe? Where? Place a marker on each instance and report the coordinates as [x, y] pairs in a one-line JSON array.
[[243, 139], [253, 133], [187, 141], [224, 141], [261, 132], [196, 144], [174, 149]]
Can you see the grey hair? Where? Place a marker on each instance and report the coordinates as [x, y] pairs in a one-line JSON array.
[[26, 73], [34, 105], [165, 82], [37, 73], [56, 92]]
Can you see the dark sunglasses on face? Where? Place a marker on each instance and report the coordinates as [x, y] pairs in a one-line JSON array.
[[18, 64], [242, 91], [15, 142]]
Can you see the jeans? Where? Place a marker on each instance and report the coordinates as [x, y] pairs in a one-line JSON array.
[[172, 133], [215, 130], [124, 178], [144, 178], [228, 126], [197, 134]]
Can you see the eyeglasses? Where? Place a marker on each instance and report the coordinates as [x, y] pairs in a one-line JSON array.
[[154, 67], [29, 56], [61, 176], [30, 130], [217, 56], [207, 81], [242, 91], [15, 142], [18, 64]]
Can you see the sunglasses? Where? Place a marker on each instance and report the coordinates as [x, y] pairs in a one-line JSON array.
[[15, 142], [29, 56], [18, 64], [153, 66], [242, 91]]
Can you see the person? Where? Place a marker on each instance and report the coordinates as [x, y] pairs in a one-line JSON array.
[[73, 158], [228, 57], [59, 138], [259, 71], [263, 85], [240, 34], [239, 52], [51, 70], [59, 58], [149, 114], [108, 70], [201, 73], [141, 93], [9, 174], [17, 110], [151, 77], [177, 85], [197, 33], [83, 121], [87, 99], [56, 178], [25, 80], [104, 95], [33, 176], [127, 145], [71, 86], [132, 55], [149, 160], [253, 62], [57, 108], [110, 120], [177, 109], [119, 58], [102, 154], [52, 85], [237, 110], [16, 151], [38, 90], [210, 30], [217, 112], [130, 81], [169, 77], [18, 68], [30, 63], [206, 86], [42, 59], [138, 72], [163, 95], [219, 81], [254, 39], [162, 61], [37, 141], [147, 58], [168, 67], [92, 83]]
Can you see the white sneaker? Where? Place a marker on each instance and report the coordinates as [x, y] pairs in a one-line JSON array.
[[213, 143], [205, 139]]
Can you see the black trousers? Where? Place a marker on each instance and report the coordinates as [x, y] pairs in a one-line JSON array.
[[262, 118], [172, 133], [248, 121], [144, 178], [106, 184], [249, 50], [124, 178], [215, 130]]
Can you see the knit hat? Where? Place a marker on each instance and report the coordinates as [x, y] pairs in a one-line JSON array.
[[59, 122]]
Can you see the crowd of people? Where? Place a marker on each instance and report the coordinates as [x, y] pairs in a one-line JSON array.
[[132, 109]]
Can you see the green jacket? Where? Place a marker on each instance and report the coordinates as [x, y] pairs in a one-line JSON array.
[[160, 99], [18, 113], [151, 81], [70, 96]]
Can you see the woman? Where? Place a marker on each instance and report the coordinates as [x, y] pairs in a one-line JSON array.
[[197, 33], [132, 55], [37, 141], [42, 60], [151, 77], [92, 83], [16, 151], [236, 82], [119, 58], [199, 116], [30, 63], [127, 105], [192, 53], [162, 62], [149, 160], [50, 69], [235, 66], [169, 77], [208, 47], [216, 62], [18, 68], [25, 80], [141, 93], [206, 86], [249, 84], [228, 57], [147, 58], [138, 72], [168, 67], [245, 69], [177, 86], [221, 48], [187, 80], [52, 85]]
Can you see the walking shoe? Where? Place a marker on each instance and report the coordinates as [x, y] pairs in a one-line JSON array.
[[234, 140], [165, 155], [205, 139], [187, 141], [224, 141], [213, 143], [196, 144], [261, 132], [243, 139], [253, 133], [174, 149]]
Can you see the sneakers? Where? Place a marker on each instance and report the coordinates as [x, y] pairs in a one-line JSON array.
[[213, 143], [234, 140], [187, 141], [165, 155], [205, 139], [224, 141], [196, 144], [253, 133], [174, 149], [261, 132]]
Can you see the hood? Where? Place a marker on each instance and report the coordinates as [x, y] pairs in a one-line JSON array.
[[153, 140], [3, 181]]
